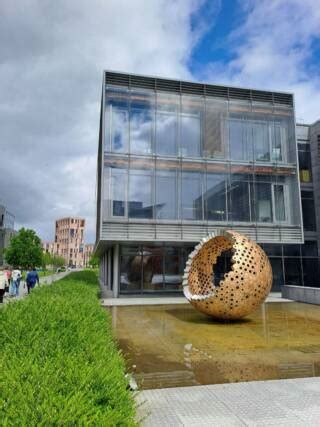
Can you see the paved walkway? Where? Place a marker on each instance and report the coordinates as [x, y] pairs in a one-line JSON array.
[[160, 300], [293, 402], [47, 280]]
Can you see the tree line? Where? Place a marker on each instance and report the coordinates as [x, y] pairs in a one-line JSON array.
[[25, 250]]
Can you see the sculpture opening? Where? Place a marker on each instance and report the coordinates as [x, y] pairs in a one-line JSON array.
[[227, 276]]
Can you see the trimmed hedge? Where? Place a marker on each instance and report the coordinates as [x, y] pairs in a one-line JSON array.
[[59, 363]]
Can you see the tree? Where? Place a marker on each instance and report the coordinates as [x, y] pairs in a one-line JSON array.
[[24, 249], [46, 260], [94, 261], [58, 261]]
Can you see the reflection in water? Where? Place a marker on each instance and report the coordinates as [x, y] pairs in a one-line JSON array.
[[173, 345]]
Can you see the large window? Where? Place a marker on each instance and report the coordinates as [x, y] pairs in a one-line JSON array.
[[140, 194], [215, 197], [191, 196], [305, 168], [215, 141], [190, 126], [141, 123], [240, 196], [166, 195], [117, 121], [279, 141], [263, 197], [240, 140], [118, 192], [167, 125], [153, 268], [308, 211], [279, 202], [261, 140], [293, 273]]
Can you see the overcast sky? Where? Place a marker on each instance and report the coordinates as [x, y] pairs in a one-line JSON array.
[[52, 54]]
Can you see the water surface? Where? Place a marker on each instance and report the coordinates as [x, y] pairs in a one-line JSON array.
[[174, 345]]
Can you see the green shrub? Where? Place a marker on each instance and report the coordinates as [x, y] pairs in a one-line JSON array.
[[59, 363]]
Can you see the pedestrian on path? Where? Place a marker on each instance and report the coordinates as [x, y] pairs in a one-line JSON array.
[[7, 270], [32, 279], [3, 283], [15, 281]]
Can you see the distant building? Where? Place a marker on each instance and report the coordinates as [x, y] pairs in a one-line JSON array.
[[69, 239], [6, 230], [88, 249], [69, 242]]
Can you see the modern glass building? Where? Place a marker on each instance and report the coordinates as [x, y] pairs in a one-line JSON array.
[[178, 160]]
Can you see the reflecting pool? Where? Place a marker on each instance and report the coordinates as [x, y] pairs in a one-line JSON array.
[[174, 345]]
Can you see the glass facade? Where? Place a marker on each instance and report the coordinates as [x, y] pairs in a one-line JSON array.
[[173, 157], [160, 268], [152, 268], [294, 264]]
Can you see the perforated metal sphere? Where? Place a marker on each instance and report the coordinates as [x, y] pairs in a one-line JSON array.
[[242, 289]]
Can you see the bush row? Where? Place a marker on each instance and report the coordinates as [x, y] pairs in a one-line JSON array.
[[59, 364]]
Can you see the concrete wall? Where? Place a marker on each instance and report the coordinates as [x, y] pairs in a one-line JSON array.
[[302, 294]]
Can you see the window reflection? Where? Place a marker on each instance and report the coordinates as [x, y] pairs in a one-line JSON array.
[[173, 267], [130, 269], [140, 194], [118, 191], [117, 121], [167, 124], [166, 195], [215, 197], [240, 198], [240, 139], [191, 196], [215, 129], [141, 123], [263, 202], [279, 202], [190, 126], [277, 273], [261, 141]]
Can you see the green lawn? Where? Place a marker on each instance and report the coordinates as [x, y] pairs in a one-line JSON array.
[[59, 363]]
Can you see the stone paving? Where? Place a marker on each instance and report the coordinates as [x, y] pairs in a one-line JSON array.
[[293, 402], [159, 300]]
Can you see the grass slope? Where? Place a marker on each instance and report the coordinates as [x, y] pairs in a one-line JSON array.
[[59, 364]]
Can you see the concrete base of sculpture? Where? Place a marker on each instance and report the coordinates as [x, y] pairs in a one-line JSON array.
[[242, 289]]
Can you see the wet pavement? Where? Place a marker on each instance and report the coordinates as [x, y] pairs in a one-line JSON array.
[[174, 345]]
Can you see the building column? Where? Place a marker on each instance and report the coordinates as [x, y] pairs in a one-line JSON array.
[[109, 284], [116, 271]]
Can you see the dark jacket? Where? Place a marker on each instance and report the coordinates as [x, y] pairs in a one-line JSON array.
[[32, 277]]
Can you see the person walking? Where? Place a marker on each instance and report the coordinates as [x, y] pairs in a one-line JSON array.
[[3, 283], [32, 278], [7, 270], [15, 281]]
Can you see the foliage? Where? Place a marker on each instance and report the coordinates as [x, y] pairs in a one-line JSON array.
[[53, 260], [46, 260], [94, 261], [59, 363], [57, 261], [24, 249]]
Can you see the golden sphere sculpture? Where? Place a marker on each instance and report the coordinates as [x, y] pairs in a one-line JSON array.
[[241, 290]]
